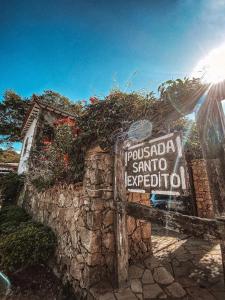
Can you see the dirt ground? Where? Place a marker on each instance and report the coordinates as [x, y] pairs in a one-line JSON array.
[[38, 283]]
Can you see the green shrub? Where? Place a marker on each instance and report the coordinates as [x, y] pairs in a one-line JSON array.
[[10, 187], [42, 182], [32, 243], [12, 214]]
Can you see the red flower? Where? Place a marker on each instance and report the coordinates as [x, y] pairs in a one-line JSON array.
[[93, 100]]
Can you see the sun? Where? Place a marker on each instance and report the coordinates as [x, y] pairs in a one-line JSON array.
[[211, 69]]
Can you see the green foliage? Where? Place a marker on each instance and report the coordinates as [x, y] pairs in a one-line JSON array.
[[42, 179], [12, 113], [61, 102], [101, 120], [63, 139], [10, 187], [22, 241], [191, 139], [99, 123], [182, 94], [13, 110], [49, 166], [11, 217], [13, 213], [77, 157], [29, 245]]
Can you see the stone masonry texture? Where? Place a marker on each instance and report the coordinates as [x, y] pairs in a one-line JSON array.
[[82, 216], [204, 201], [139, 232], [83, 219]]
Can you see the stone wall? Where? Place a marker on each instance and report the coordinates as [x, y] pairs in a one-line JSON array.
[[203, 195], [83, 219], [217, 186], [139, 232]]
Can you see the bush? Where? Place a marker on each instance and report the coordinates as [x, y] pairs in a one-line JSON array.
[[11, 218], [32, 243], [22, 241], [10, 187], [13, 214]]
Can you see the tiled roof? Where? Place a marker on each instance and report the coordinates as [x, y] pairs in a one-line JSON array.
[[34, 110]]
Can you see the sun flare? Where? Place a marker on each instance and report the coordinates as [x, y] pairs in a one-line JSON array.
[[211, 69]]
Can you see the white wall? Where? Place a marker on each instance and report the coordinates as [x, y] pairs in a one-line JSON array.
[[23, 164]]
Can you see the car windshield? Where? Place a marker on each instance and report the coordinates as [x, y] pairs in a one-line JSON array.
[[155, 197]]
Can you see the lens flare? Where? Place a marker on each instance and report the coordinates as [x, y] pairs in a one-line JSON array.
[[4, 285], [211, 69]]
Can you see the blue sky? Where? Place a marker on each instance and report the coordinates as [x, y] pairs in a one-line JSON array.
[[81, 48], [87, 47]]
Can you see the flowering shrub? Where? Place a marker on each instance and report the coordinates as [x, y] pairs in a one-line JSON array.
[[102, 119], [99, 123], [52, 164], [93, 100]]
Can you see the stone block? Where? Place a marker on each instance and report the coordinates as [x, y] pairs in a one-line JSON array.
[[108, 218], [107, 296], [146, 231], [136, 197], [95, 259], [152, 291], [94, 220], [97, 204], [135, 272], [136, 236], [76, 270], [152, 263], [89, 239], [147, 277], [94, 193], [107, 195], [108, 241], [136, 286], [162, 276], [125, 294], [176, 290], [130, 197], [131, 225]]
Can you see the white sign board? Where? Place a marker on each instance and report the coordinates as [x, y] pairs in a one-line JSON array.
[[157, 166]]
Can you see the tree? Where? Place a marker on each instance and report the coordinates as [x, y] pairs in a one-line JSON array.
[[192, 145], [12, 113], [182, 94], [13, 109], [53, 98]]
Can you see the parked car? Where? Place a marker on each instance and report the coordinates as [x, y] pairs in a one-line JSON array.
[[167, 202]]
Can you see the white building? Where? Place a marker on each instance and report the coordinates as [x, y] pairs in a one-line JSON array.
[[38, 112]]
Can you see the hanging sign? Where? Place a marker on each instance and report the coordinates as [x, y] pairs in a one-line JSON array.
[[157, 166]]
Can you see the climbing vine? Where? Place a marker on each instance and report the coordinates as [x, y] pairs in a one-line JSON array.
[[99, 123]]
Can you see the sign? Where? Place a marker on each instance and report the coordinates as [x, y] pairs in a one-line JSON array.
[[157, 166]]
